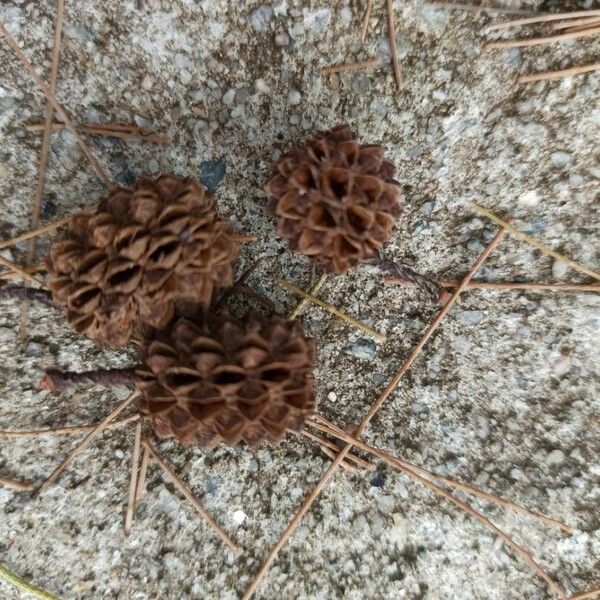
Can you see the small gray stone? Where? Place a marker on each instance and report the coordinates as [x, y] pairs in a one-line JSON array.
[[470, 317], [561, 366], [294, 97], [229, 97], [556, 457], [282, 39], [212, 172], [559, 269], [560, 159], [260, 18], [363, 348]]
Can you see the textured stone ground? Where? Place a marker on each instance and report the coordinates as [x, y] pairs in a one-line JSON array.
[[506, 394]]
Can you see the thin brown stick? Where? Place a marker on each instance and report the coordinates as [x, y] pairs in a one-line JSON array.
[[124, 134], [327, 445], [492, 10], [365, 23], [26, 294], [332, 309], [10, 40], [542, 40], [20, 271], [242, 238], [312, 496], [392, 37], [140, 490], [507, 285], [135, 461], [236, 284], [322, 424], [547, 75], [55, 380], [39, 268], [533, 242], [571, 24], [45, 151], [412, 472], [350, 67], [34, 232], [89, 438], [585, 595], [300, 306], [190, 498], [72, 430], [254, 295], [543, 19], [583, 27], [15, 485]]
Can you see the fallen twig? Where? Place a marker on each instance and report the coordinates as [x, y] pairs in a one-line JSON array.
[[15, 485], [10, 40], [34, 232], [124, 132], [521, 43], [135, 460], [300, 306], [19, 292], [22, 273], [332, 309], [508, 285], [493, 10], [392, 38], [190, 498], [10, 577], [544, 18], [59, 381], [89, 438], [365, 23], [559, 74], [533, 242], [70, 430]]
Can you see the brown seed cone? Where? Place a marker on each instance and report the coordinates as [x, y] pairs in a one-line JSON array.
[[226, 380], [145, 250], [335, 200]]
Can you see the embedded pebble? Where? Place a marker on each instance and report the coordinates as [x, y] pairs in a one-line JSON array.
[[363, 348], [529, 198], [470, 317], [559, 269], [332, 396], [294, 97], [238, 517], [556, 457], [147, 83], [562, 365], [260, 18]]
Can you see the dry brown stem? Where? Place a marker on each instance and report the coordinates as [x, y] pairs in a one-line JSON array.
[[533, 242], [16, 485], [190, 498], [300, 306], [326, 426], [71, 430], [493, 10], [547, 75], [34, 232], [89, 438], [392, 38], [331, 450], [312, 496], [365, 23], [536, 41], [123, 132], [10, 40], [413, 472], [330, 308], [135, 460], [543, 19], [22, 273], [509, 285]]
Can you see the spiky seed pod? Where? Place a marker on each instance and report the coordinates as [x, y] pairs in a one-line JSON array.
[[335, 200], [145, 250], [226, 380]]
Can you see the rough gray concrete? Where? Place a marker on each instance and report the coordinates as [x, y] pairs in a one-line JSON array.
[[505, 395]]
